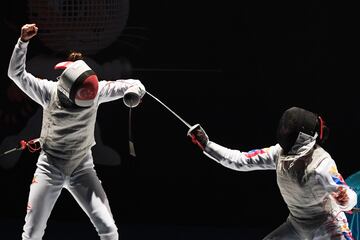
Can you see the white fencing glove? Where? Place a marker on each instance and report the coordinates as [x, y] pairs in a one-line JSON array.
[[132, 96]]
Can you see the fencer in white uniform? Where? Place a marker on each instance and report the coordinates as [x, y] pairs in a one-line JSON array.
[[65, 162], [307, 176]]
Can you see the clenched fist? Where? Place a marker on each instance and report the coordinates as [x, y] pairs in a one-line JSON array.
[[28, 31]]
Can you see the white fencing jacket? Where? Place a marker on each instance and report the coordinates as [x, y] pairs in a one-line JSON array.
[[306, 178], [67, 133]]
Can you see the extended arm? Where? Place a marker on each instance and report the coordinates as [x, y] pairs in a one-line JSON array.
[[258, 159], [113, 90]]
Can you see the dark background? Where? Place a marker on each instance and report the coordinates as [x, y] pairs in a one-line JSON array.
[[233, 68]]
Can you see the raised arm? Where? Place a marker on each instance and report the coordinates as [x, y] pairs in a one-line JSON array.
[[35, 88]]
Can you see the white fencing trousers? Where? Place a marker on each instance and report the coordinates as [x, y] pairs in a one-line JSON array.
[[84, 186]]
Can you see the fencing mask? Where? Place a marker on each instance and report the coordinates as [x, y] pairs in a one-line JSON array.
[[295, 120], [78, 82]]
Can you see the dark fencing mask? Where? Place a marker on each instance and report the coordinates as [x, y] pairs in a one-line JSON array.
[[295, 120]]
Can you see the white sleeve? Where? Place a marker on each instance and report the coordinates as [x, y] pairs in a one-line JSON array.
[[113, 90], [258, 159], [331, 180], [37, 89]]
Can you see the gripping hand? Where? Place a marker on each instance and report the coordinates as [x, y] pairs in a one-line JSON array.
[[198, 136]]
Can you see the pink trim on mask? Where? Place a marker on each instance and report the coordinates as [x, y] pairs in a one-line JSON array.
[[62, 65]]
